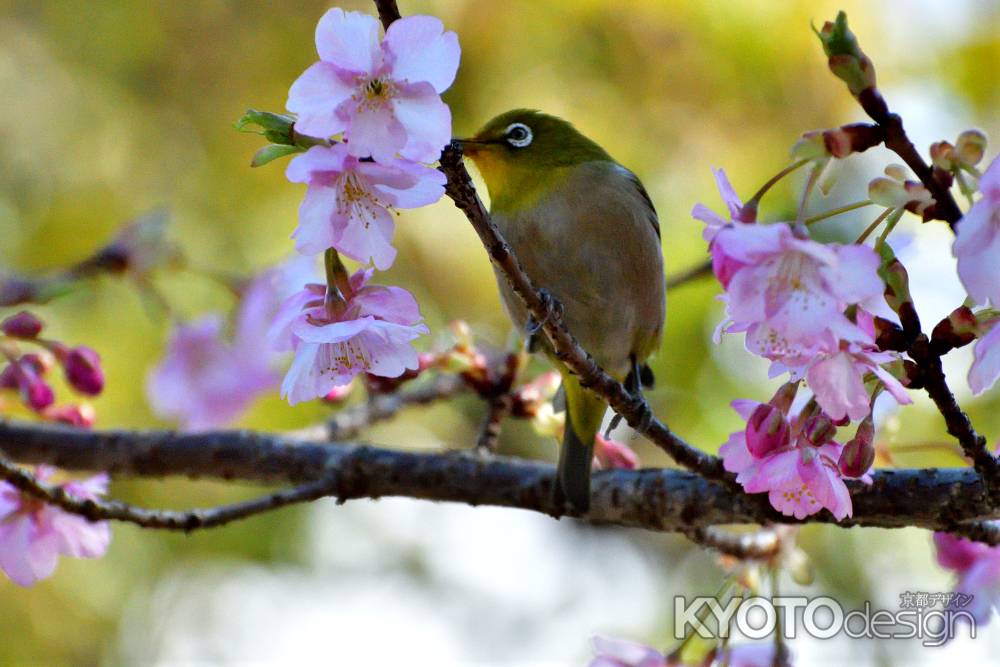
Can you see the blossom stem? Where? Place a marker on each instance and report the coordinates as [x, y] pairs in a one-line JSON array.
[[807, 191], [774, 180], [890, 225], [872, 227], [963, 185], [837, 211]]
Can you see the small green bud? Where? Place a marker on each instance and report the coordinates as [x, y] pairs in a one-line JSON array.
[[970, 147], [845, 58]]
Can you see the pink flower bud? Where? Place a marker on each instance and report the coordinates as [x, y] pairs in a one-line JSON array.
[[35, 392], [339, 393], [859, 453], [82, 415], [83, 370], [22, 325], [819, 430], [767, 430], [610, 454]]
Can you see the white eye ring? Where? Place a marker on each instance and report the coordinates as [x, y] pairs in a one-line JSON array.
[[518, 135]]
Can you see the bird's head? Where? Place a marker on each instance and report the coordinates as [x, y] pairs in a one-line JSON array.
[[521, 150]]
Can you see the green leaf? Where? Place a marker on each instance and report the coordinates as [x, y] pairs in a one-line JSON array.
[[272, 152], [276, 128]]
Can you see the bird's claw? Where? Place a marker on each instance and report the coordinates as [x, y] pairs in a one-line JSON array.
[[553, 313]]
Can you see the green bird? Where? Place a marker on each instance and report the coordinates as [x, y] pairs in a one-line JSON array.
[[586, 231]]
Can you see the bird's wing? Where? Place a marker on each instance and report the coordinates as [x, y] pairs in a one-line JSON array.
[[634, 180]]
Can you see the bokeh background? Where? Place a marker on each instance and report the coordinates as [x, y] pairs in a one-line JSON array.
[[110, 109]]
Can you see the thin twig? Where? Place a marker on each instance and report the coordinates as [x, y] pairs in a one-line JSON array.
[[497, 408], [690, 275], [349, 422], [187, 520]]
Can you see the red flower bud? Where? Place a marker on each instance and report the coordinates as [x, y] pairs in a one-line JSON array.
[[22, 325], [859, 453], [82, 366], [767, 430], [819, 430]]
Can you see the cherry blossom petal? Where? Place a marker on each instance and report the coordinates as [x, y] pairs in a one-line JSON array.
[[839, 388], [369, 238], [321, 224], [335, 332], [986, 366], [405, 184], [349, 40], [427, 121], [377, 132], [423, 51], [306, 167], [853, 277], [315, 98], [392, 304]]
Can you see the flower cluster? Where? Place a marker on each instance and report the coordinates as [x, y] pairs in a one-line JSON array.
[[807, 307], [365, 329], [26, 372], [374, 109], [794, 458], [33, 534]]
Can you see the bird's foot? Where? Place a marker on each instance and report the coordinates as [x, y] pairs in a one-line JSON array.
[[553, 313]]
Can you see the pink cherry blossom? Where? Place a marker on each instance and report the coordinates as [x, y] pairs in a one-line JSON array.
[[382, 95], [34, 534], [978, 569], [370, 331], [977, 241], [205, 381], [209, 378], [621, 653], [836, 377], [611, 454], [723, 265], [349, 202], [792, 292], [986, 366], [800, 479]]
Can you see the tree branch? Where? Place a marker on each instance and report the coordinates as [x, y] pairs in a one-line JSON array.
[[103, 510], [664, 500], [351, 421]]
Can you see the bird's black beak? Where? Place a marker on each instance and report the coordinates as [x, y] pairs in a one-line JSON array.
[[467, 146]]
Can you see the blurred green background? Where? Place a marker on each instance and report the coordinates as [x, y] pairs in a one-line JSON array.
[[110, 109]]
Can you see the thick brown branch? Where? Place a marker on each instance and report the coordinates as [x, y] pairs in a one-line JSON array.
[[666, 500]]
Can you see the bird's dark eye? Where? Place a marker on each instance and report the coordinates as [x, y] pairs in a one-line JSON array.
[[518, 135]]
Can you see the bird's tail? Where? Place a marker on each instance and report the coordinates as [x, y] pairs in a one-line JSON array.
[[584, 413]]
